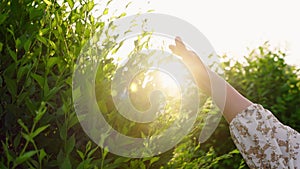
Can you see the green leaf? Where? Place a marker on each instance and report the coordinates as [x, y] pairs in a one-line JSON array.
[[151, 10], [66, 164], [3, 18], [153, 160], [120, 160], [94, 150], [60, 30], [92, 19], [122, 14], [1, 46], [108, 2], [18, 43], [235, 151], [39, 130], [88, 146], [81, 155], [63, 131], [42, 39], [17, 140], [51, 93], [33, 163], [30, 105], [11, 85], [42, 155], [7, 153], [85, 164], [70, 144], [52, 44], [39, 114], [127, 5], [47, 2], [26, 136], [72, 120], [24, 157], [11, 32], [90, 5], [44, 31], [21, 97], [35, 13], [22, 70], [105, 12], [45, 89], [39, 79], [27, 44], [71, 3], [28, 82], [12, 54]]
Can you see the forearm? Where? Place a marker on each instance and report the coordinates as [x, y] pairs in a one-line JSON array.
[[235, 103], [210, 82]]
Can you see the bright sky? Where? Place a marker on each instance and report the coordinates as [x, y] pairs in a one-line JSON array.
[[232, 26]]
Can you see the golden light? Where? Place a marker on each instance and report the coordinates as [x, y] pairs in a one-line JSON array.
[[133, 87], [169, 85]]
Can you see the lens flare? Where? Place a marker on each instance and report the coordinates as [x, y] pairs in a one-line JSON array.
[[143, 101]]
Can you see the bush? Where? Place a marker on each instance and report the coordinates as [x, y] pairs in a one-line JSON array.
[[39, 46], [266, 79]]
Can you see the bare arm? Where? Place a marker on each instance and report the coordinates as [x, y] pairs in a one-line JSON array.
[[235, 102]]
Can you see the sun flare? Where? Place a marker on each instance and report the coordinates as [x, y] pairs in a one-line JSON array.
[[133, 87]]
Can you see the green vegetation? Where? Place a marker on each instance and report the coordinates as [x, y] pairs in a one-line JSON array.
[[266, 79], [39, 44]]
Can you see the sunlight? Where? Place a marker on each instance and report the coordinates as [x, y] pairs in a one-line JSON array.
[[146, 83], [133, 87], [168, 84]]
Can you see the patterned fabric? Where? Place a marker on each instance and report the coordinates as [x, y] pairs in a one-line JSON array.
[[263, 141]]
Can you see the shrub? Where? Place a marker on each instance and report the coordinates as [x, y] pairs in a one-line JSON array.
[[39, 46], [267, 79]]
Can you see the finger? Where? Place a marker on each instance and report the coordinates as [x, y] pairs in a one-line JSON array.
[[178, 38], [179, 43], [174, 49]]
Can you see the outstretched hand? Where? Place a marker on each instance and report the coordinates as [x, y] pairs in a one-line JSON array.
[[235, 102], [180, 49], [194, 64]]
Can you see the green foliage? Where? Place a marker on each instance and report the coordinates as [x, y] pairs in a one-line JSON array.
[[188, 154], [39, 46], [266, 79]]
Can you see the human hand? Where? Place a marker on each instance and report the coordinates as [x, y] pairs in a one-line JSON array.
[[194, 64], [207, 79], [180, 49]]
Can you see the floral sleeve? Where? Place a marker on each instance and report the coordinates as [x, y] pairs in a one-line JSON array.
[[263, 141]]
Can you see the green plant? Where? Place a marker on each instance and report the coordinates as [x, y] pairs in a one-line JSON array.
[[41, 42], [267, 79], [39, 46]]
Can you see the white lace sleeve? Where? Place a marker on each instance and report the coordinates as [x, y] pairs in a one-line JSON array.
[[263, 141]]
